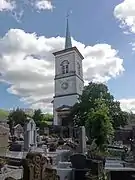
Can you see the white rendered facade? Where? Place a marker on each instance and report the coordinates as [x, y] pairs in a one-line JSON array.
[[68, 80]]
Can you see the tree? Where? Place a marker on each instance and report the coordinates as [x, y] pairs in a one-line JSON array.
[[48, 117], [38, 117], [15, 117], [98, 124], [42, 120], [91, 93]]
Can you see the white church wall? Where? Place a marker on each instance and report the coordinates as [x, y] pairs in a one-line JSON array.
[[70, 57], [65, 100], [71, 82], [60, 101], [79, 86], [78, 60]]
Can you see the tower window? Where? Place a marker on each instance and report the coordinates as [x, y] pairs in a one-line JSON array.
[[65, 67], [79, 68]]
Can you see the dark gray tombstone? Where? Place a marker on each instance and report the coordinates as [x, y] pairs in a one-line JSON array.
[[82, 140], [79, 166], [78, 161]]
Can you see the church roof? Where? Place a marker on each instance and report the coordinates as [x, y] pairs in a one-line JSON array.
[[68, 44]]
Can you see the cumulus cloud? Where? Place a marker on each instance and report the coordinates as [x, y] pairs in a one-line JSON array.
[[125, 13], [17, 7], [128, 105], [44, 4], [27, 65], [6, 5]]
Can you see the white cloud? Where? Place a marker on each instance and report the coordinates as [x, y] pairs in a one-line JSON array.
[[27, 65], [44, 4], [128, 105], [6, 5], [125, 13], [17, 7]]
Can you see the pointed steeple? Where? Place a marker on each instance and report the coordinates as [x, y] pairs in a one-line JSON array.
[[68, 43]]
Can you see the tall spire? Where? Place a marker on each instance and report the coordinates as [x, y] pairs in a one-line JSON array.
[[68, 43]]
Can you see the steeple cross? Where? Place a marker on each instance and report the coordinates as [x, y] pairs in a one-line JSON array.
[[68, 13]]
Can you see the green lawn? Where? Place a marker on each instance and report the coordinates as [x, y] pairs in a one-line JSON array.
[[3, 114]]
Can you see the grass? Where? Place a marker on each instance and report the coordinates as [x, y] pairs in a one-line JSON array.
[[3, 114]]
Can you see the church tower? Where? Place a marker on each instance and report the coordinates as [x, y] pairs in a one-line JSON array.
[[68, 79]]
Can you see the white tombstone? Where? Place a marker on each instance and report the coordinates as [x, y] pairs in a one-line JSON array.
[[30, 135], [18, 131]]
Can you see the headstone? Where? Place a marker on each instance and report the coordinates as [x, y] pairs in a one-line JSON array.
[[78, 161], [82, 140], [96, 170], [4, 135], [46, 131], [79, 166], [18, 131], [30, 135], [38, 138], [44, 147], [36, 167], [70, 132]]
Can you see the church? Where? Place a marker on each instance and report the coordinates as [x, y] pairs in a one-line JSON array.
[[68, 80]]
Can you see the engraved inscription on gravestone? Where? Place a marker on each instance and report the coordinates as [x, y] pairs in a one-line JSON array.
[[4, 134]]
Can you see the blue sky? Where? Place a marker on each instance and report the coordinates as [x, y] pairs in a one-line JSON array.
[[91, 22]]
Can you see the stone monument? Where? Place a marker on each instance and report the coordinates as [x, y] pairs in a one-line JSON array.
[[4, 135], [82, 140], [18, 131], [30, 134], [36, 167]]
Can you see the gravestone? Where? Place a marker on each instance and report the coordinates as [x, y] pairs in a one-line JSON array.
[[39, 139], [79, 166], [78, 161], [30, 135], [46, 131], [4, 135], [82, 140], [18, 131], [37, 167]]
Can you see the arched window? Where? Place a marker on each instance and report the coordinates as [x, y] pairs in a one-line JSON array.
[[79, 68], [65, 67]]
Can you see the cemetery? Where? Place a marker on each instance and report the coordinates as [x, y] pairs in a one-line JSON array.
[[34, 157]]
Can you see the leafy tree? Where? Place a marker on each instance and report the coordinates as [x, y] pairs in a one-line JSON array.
[[15, 117], [91, 93], [48, 117], [38, 117], [98, 124], [42, 120]]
